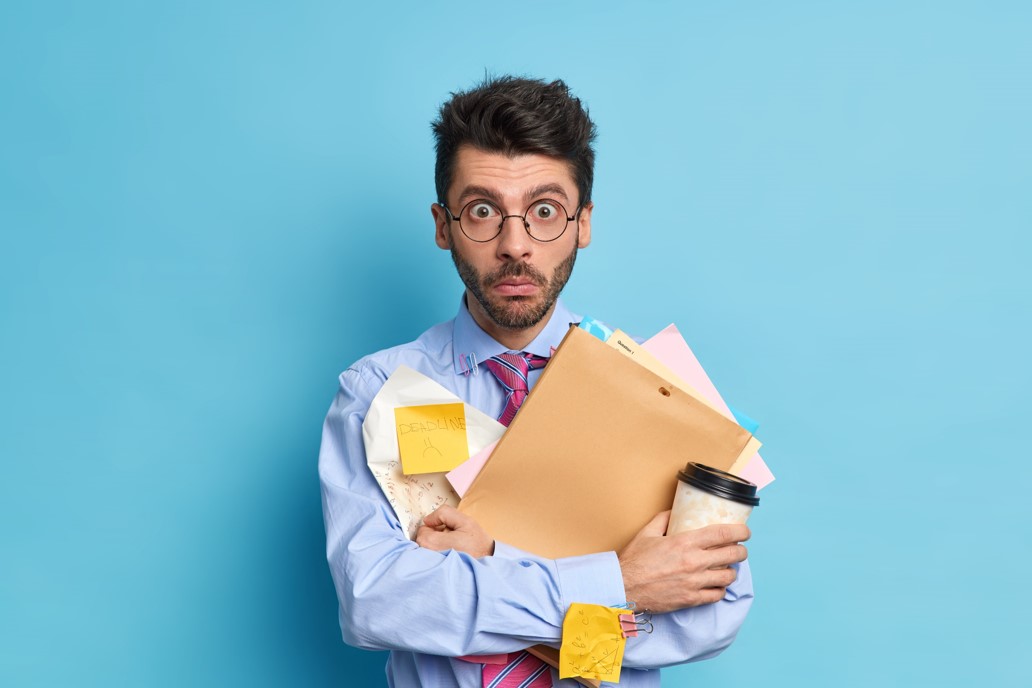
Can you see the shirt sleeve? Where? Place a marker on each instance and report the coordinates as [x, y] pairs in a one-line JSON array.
[[395, 595], [687, 635]]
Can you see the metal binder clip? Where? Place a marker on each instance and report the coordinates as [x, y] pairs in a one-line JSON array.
[[643, 619]]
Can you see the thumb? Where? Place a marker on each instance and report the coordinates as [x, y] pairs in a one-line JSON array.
[[657, 526]]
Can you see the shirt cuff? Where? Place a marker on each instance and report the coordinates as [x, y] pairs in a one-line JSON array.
[[591, 579]]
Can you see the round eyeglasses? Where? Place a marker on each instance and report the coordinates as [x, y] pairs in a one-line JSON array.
[[481, 220]]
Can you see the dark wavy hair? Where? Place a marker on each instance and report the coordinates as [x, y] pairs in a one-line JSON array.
[[515, 116]]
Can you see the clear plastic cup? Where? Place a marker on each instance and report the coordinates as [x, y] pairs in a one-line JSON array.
[[706, 495]]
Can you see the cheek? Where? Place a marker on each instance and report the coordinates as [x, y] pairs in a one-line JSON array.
[[560, 255], [476, 257], [475, 254]]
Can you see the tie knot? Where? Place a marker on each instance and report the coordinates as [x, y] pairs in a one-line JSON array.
[[512, 369]]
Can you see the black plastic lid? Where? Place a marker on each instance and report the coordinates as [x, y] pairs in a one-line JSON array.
[[719, 483]]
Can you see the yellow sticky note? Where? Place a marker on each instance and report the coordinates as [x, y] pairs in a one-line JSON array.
[[593, 642], [431, 438]]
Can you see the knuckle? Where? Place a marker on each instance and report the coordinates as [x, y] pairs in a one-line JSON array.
[[737, 532], [732, 554], [431, 539], [686, 558], [723, 534]]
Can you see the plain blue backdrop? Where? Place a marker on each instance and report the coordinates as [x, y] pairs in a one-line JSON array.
[[209, 209]]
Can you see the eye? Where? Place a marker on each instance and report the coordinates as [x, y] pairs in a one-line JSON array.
[[546, 211], [482, 210]]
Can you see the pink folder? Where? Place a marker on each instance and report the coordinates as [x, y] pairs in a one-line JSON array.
[[673, 351]]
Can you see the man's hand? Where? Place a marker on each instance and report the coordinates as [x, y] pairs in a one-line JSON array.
[[663, 573], [448, 528]]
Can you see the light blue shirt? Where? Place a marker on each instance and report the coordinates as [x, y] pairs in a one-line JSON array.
[[428, 607]]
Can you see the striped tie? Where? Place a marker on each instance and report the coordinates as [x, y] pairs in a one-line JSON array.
[[511, 370], [521, 670]]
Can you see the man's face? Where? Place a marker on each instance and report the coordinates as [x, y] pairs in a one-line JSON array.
[[514, 279]]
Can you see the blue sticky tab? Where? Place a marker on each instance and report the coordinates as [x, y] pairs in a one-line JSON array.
[[744, 420], [595, 327]]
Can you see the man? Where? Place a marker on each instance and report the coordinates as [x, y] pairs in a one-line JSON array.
[[514, 175]]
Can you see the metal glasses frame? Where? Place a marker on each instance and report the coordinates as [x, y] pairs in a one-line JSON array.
[[503, 218]]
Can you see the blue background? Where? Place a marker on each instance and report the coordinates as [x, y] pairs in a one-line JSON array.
[[207, 210]]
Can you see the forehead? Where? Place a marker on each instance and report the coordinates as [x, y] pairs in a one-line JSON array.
[[509, 177]]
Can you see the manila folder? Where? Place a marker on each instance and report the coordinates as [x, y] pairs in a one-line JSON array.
[[593, 453]]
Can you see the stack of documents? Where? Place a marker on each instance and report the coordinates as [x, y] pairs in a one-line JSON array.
[[594, 452]]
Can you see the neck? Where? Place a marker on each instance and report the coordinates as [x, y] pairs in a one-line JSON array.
[[514, 340]]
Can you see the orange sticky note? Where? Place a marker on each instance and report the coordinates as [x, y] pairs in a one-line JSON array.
[[431, 438]]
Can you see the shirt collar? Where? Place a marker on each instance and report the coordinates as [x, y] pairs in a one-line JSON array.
[[469, 339]]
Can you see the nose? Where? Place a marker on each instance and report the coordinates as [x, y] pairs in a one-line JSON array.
[[514, 243]]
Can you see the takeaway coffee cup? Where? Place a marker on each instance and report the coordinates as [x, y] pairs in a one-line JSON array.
[[706, 496]]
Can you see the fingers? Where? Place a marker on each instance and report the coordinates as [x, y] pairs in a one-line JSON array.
[[657, 526], [445, 517], [711, 595], [474, 542], [437, 540], [719, 578], [448, 528], [725, 556], [719, 535], [427, 537]]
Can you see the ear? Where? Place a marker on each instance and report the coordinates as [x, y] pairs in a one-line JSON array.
[[442, 233], [584, 225]]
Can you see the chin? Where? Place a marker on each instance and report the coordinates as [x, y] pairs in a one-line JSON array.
[[518, 312]]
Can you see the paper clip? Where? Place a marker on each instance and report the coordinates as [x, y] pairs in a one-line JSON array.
[[468, 363]]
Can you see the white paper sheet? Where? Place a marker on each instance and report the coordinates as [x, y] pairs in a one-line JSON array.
[[415, 496]]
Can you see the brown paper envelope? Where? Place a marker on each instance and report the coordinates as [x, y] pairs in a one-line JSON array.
[[594, 453], [622, 342]]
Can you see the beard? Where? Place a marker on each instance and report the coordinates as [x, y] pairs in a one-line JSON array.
[[515, 312]]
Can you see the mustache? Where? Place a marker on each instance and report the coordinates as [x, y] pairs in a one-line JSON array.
[[516, 270]]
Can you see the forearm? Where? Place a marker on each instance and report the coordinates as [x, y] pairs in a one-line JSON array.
[[396, 595], [687, 635]]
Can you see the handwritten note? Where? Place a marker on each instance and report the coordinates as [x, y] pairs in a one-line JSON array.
[[593, 642], [414, 496], [431, 438]]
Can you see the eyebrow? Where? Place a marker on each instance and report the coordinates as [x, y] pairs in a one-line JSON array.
[[545, 190], [551, 189], [474, 191]]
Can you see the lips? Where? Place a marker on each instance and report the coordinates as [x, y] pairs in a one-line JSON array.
[[516, 287]]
